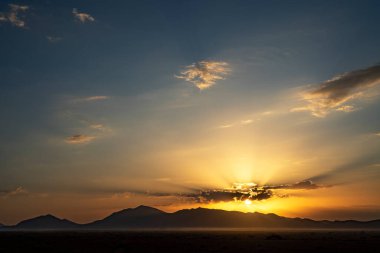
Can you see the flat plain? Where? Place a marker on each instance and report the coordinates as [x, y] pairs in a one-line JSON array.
[[309, 241]]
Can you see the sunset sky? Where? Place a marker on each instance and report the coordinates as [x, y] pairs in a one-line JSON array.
[[267, 106]]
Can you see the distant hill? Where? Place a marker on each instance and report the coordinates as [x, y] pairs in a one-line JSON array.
[[148, 217], [141, 216], [44, 222]]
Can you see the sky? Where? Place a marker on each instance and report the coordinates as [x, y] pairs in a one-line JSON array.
[[255, 106]]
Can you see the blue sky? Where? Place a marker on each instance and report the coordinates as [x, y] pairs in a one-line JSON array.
[[95, 102]]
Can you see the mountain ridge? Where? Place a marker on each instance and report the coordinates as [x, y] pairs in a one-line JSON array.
[[145, 217]]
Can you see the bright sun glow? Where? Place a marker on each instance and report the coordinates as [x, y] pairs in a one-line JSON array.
[[247, 202]]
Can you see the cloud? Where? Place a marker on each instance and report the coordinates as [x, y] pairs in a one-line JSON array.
[[99, 127], [333, 94], [240, 123], [204, 74], [348, 167], [95, 98], [88, 99], [12, 16], [239, 192], [79, 139], [302, 185], [246, 121], [17, 191], [53, 39], [226, 126], [251, 191], [346, 108], [82, 17], [225, 195]]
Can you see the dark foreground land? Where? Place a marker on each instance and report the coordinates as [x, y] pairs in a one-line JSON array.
[[191, 241]]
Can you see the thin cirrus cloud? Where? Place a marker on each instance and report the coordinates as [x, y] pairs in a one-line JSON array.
[[100, 127], [97, 126], [13, 15], [88, 99], [79, 139], [204, 74], [247, 121], [53, 39], [240, 123], [95, 98], [13, 192], [334, 94], [82, 17]]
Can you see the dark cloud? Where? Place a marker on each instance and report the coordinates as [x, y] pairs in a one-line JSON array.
[[302, 185], [333, 94], [238, 192], [242, 192], [233, 194]]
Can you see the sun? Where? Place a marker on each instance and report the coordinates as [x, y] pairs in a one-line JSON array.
[[247, 202]]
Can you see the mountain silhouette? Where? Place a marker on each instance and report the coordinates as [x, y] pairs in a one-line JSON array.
[[46, 222], [148, 217], [141, 216]]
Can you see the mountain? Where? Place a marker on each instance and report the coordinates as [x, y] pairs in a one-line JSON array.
[[148, 217], [44, 222], [141, 216]]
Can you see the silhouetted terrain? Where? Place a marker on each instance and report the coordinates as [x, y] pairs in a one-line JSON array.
[[156, 231], [46, 222], [186, 241], [144, 217]]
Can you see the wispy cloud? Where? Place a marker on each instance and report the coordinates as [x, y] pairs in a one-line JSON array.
[[226, 126], [204, 74], [82, 17], [101, 128], [334, 94], [88, 99], [53, 39], [235, 124], [13, 192], [12, 16], [246, 121], [95, 98], [98, 127], [79, 139]]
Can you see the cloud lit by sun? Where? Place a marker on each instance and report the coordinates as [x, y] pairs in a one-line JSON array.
[[205, 74]]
